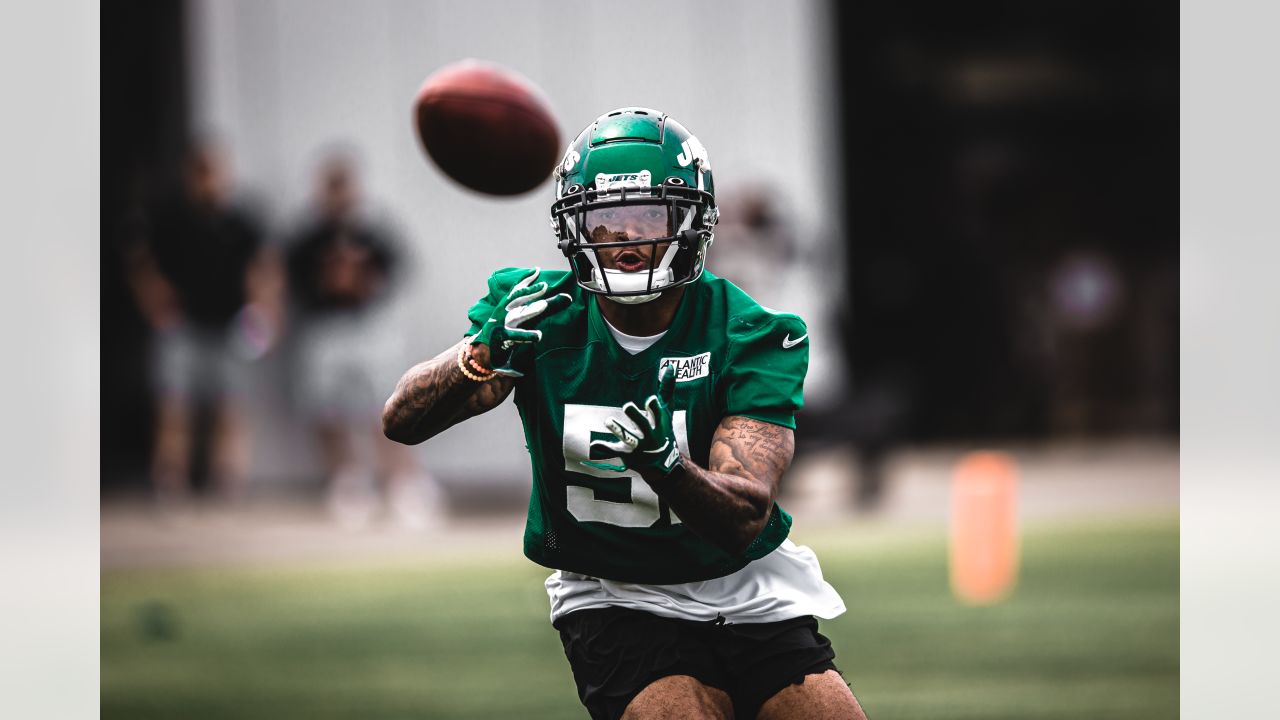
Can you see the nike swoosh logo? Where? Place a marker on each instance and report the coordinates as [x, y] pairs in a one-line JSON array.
[[788, 343]]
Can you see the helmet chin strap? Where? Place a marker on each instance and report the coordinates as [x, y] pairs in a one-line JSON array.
[[634, 299], [629, 282]]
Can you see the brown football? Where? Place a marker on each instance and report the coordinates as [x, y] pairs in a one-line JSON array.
[[487, 127]]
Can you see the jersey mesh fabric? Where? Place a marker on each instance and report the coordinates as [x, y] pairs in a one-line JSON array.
[[731, 359]]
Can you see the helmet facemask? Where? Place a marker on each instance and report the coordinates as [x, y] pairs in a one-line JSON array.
[[632, 242]]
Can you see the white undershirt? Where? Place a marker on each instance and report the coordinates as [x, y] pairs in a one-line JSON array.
[[633, 344]]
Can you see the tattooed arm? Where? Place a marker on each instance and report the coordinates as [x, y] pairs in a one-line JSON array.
[[728, 503], [434, 396]]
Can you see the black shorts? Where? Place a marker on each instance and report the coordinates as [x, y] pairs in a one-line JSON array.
[[616, 652]]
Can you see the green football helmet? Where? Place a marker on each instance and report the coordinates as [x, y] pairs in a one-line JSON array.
[[635, 205]]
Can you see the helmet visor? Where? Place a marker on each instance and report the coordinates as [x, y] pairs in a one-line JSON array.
[[628, 222]]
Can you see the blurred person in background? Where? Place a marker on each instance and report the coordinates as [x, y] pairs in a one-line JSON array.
[[210, 290], [757, 250], [658, 404], [342, 269], [755, 247]]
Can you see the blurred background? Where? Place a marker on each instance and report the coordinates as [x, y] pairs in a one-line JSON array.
[[972, 206]]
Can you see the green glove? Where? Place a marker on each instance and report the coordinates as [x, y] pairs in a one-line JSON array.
[[646, 439], [504, 333]]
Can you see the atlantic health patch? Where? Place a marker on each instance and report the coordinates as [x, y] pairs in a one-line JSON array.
[[689, 368]]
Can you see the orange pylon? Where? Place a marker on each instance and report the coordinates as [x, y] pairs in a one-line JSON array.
[[984, 528]]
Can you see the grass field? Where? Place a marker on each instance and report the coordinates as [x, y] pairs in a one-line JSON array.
[[1092, 631]]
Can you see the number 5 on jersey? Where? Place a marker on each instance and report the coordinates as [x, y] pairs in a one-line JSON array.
[[643, 509]]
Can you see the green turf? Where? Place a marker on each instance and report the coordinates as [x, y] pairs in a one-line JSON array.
[[1092, 631]]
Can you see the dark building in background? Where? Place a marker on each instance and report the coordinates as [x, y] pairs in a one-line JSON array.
[[144, 134], [1011, 212]]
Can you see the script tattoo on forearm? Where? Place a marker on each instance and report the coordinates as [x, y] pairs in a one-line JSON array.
[[728, 502], [752, 448], [434, 395]]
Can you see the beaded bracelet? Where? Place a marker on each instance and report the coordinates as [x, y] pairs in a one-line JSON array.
[[475, 364], [462, 365], [480, 369]]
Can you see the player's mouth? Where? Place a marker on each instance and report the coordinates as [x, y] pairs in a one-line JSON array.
[[631, 261]]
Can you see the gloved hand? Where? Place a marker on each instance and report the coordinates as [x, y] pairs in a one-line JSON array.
[[504, 331], [646, 439]]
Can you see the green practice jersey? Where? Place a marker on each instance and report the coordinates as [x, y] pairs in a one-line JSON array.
[[732, 357]]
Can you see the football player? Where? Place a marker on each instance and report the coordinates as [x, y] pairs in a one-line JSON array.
[[658, 404]]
